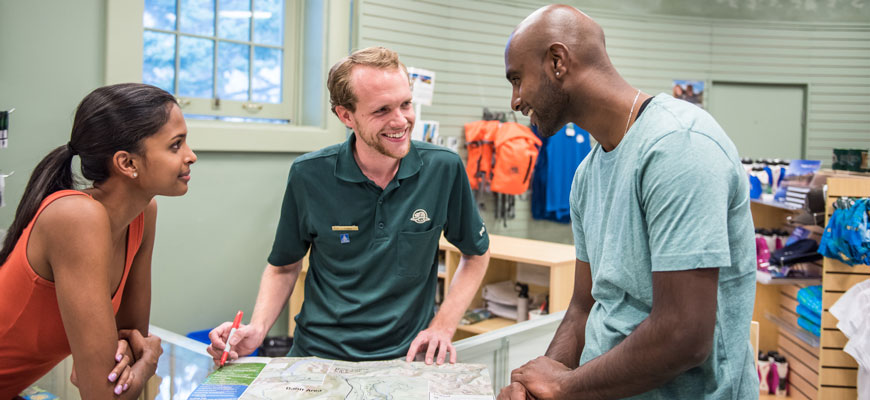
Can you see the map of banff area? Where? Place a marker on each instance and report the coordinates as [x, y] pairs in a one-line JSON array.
[[314, 378]]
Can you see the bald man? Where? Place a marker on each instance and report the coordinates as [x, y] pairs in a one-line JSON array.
[[665, 271]]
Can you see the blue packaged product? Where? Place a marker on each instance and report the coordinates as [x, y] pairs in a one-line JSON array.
[[811, 298], [809, 326], [805, 312]]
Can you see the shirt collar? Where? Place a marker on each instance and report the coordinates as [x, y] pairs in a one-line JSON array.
[[347, 169]]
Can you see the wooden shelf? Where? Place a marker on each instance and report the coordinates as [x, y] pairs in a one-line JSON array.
[[777, 204], [764, 278], [486, 325], [506, 253], [798, 332], [525, 250], [507, 256]]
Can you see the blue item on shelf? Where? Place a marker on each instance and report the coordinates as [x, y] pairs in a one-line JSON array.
[[805, 312], [809, 326], [804, 250], [811, 298], [847, 236], [798, 233], [754, 187], [202, 337], [770, 182]]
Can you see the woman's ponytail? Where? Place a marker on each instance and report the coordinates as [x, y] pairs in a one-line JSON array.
[[53, 173]]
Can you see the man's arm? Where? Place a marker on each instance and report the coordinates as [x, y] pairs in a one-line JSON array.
[[276, 285], [570, 338], [676, 336], [439, 334]]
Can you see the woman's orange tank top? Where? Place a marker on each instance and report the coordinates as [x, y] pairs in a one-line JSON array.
[[32, 337]]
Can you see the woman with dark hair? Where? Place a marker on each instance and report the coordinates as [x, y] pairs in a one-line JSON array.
[[75, 267]]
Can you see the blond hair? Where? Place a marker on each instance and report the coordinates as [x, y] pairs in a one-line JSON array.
[[340, 91]]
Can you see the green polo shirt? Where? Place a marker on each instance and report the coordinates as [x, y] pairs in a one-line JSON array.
[[372, 275]]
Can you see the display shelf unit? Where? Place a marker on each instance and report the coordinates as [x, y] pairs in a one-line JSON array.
[[507, 255], [767, 296], [776, 204], [789, 326], [838, 373], [765, 278], [775, 303]]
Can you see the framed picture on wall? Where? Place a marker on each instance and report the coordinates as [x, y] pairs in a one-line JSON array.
[[691, 91]]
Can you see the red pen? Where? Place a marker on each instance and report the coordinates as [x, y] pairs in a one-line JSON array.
[[236, 323]]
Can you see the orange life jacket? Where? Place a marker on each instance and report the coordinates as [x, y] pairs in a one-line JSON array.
[[480, 140]]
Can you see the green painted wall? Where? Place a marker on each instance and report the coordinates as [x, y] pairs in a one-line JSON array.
[[651, 43], [43, 76], [212, 243]]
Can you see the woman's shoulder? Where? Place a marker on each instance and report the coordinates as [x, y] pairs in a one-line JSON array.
[[70, 212]]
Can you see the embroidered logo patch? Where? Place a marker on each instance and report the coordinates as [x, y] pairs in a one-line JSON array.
[[420, 216], [345, 238]]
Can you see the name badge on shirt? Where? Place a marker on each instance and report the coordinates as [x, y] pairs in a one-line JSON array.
[[345, 228]]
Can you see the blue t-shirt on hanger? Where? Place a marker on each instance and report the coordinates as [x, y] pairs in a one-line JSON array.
[[560, 156]]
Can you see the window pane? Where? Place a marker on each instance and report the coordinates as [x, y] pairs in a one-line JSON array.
[[158, 66], [267, 75], [197, 17], [159, 14], [269, 22], [195, 76], [234, 20], [233, 68]]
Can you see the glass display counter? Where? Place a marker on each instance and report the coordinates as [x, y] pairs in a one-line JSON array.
[[185, 364]]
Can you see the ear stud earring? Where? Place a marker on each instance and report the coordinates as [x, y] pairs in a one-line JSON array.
[[135, 175]]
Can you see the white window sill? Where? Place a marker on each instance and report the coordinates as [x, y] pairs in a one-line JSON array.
[[254, 137]]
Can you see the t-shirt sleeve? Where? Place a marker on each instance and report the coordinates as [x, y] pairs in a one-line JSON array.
[[576, 219], [686, 182], [464, 228], [292, 239]]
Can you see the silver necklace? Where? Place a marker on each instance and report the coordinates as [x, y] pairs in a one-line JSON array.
[[633, 103]]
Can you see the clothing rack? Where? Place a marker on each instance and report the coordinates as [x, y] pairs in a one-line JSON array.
[[838, 371], [505, 205]]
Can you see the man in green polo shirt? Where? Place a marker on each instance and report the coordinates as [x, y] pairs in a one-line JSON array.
[[371, 210]]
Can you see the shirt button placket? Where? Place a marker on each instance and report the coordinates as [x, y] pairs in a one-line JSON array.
[[379, 213]]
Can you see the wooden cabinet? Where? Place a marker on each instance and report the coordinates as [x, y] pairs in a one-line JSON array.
[[824, 370], [775, 303], [507, 256], [838, 373]]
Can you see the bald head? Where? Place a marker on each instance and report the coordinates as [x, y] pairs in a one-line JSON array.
[[559, 24]]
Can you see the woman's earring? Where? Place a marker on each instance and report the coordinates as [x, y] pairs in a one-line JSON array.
[[135, 175]]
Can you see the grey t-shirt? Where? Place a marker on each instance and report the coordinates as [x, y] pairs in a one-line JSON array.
[[671, 196]]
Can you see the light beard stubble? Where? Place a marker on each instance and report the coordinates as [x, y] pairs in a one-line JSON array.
[[552, 110]]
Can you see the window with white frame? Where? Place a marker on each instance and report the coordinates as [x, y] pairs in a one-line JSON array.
[[223, 59], [234, 112]]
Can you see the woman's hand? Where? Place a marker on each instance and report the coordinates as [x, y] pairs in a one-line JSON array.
[[122, 371], [146, 350]]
